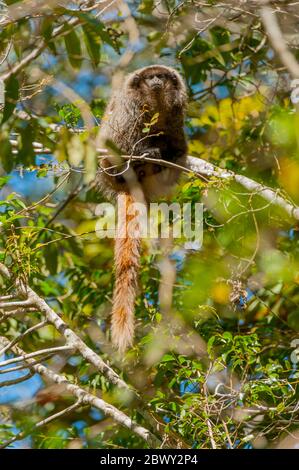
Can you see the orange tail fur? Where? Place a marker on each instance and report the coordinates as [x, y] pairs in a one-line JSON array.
[[127, 255]]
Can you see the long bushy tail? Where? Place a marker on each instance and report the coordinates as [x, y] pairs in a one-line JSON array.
[[127, 255]]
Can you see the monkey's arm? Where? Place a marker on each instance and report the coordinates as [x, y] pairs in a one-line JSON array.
[[176, 147]]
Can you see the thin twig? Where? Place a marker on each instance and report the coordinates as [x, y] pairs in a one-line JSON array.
[[88, 399], [22, 335]]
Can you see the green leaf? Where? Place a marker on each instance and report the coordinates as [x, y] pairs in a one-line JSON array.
[[98, 106], [7, 157], [293, 320], [146, 7], [4, 180], [51, 258], [227, 335], [93, 44], [20, 203], [73, 47], [47, 31], [11, 97], [98, 29], [167, 358], [42, 172], [69, 113], [26, 153], [210, 344]]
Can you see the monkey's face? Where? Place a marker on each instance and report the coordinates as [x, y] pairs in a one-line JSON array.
[[155, 81]]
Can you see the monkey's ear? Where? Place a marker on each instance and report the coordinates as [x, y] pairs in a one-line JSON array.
[[135, 81], [174, 78]]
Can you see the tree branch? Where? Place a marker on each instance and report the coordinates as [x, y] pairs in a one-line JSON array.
[[23, 434], [271, 195], [204, 169], [87, 398], [275, 35], [72, 339], [43, 44], [76, 343]]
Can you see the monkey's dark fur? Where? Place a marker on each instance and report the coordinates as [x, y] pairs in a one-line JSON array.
[[145, 92], [155, 90]]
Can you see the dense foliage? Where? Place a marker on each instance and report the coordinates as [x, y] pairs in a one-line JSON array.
[[220, 368]]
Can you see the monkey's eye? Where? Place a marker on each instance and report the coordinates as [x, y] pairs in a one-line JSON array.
[[160, 75]]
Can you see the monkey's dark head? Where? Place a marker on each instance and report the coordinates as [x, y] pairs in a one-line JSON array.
[[157, 82]]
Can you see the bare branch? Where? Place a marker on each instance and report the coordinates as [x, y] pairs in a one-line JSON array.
[[72, 339], [88, 399], [271, 195], [41, 352], [23, 378], [268, 16], [21, 336], [41, 423], [43, 44], [75, 342], [17, 303], [204, 169]]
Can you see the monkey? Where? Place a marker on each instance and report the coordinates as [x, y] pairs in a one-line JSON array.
[[144, 117]]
